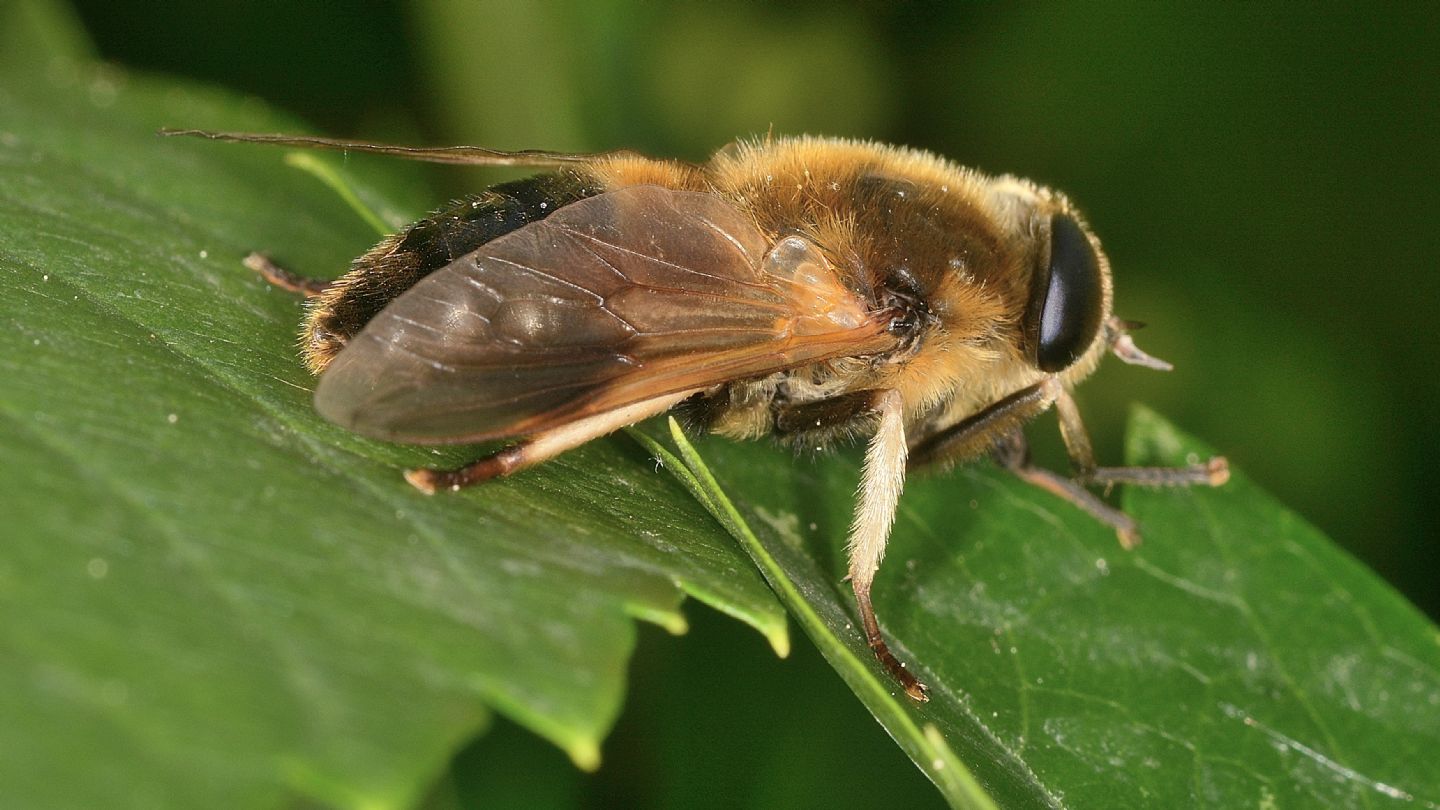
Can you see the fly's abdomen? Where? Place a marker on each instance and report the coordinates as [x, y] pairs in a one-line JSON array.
[[400, 261]]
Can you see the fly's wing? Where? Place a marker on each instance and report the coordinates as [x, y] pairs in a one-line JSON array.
[[457, 155], [618, 298]]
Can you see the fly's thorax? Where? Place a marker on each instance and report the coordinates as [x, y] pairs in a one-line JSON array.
[[994, 283], [990, 283]]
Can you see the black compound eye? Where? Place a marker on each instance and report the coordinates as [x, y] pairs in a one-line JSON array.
[[1065, 307]]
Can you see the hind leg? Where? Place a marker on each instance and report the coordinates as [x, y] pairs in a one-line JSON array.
[[284, 279], [540, 447]]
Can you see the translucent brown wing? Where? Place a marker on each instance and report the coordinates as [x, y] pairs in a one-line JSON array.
[[629, 295]]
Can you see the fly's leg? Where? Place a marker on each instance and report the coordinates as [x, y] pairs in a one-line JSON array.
[[875, 503], [1013, 453], [826, 413], [1212, 473], [259, 262], [542, 446], [879, 495], [284, 279], [977, 435], [502, 462]]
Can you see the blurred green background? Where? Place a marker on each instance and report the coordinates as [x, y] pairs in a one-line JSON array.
[[1264, 178]]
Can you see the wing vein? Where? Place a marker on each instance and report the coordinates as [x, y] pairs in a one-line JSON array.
[[670, 264], [728, 237], [542, 274]]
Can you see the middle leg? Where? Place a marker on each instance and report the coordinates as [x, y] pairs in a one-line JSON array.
[[879, 496]]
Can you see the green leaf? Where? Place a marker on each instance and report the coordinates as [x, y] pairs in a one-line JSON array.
[[211, 597], [40, 36], [694, 739], [1237, 658]]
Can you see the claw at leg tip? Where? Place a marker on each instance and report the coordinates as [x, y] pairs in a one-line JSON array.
[[422, 479], [1218, 469]]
